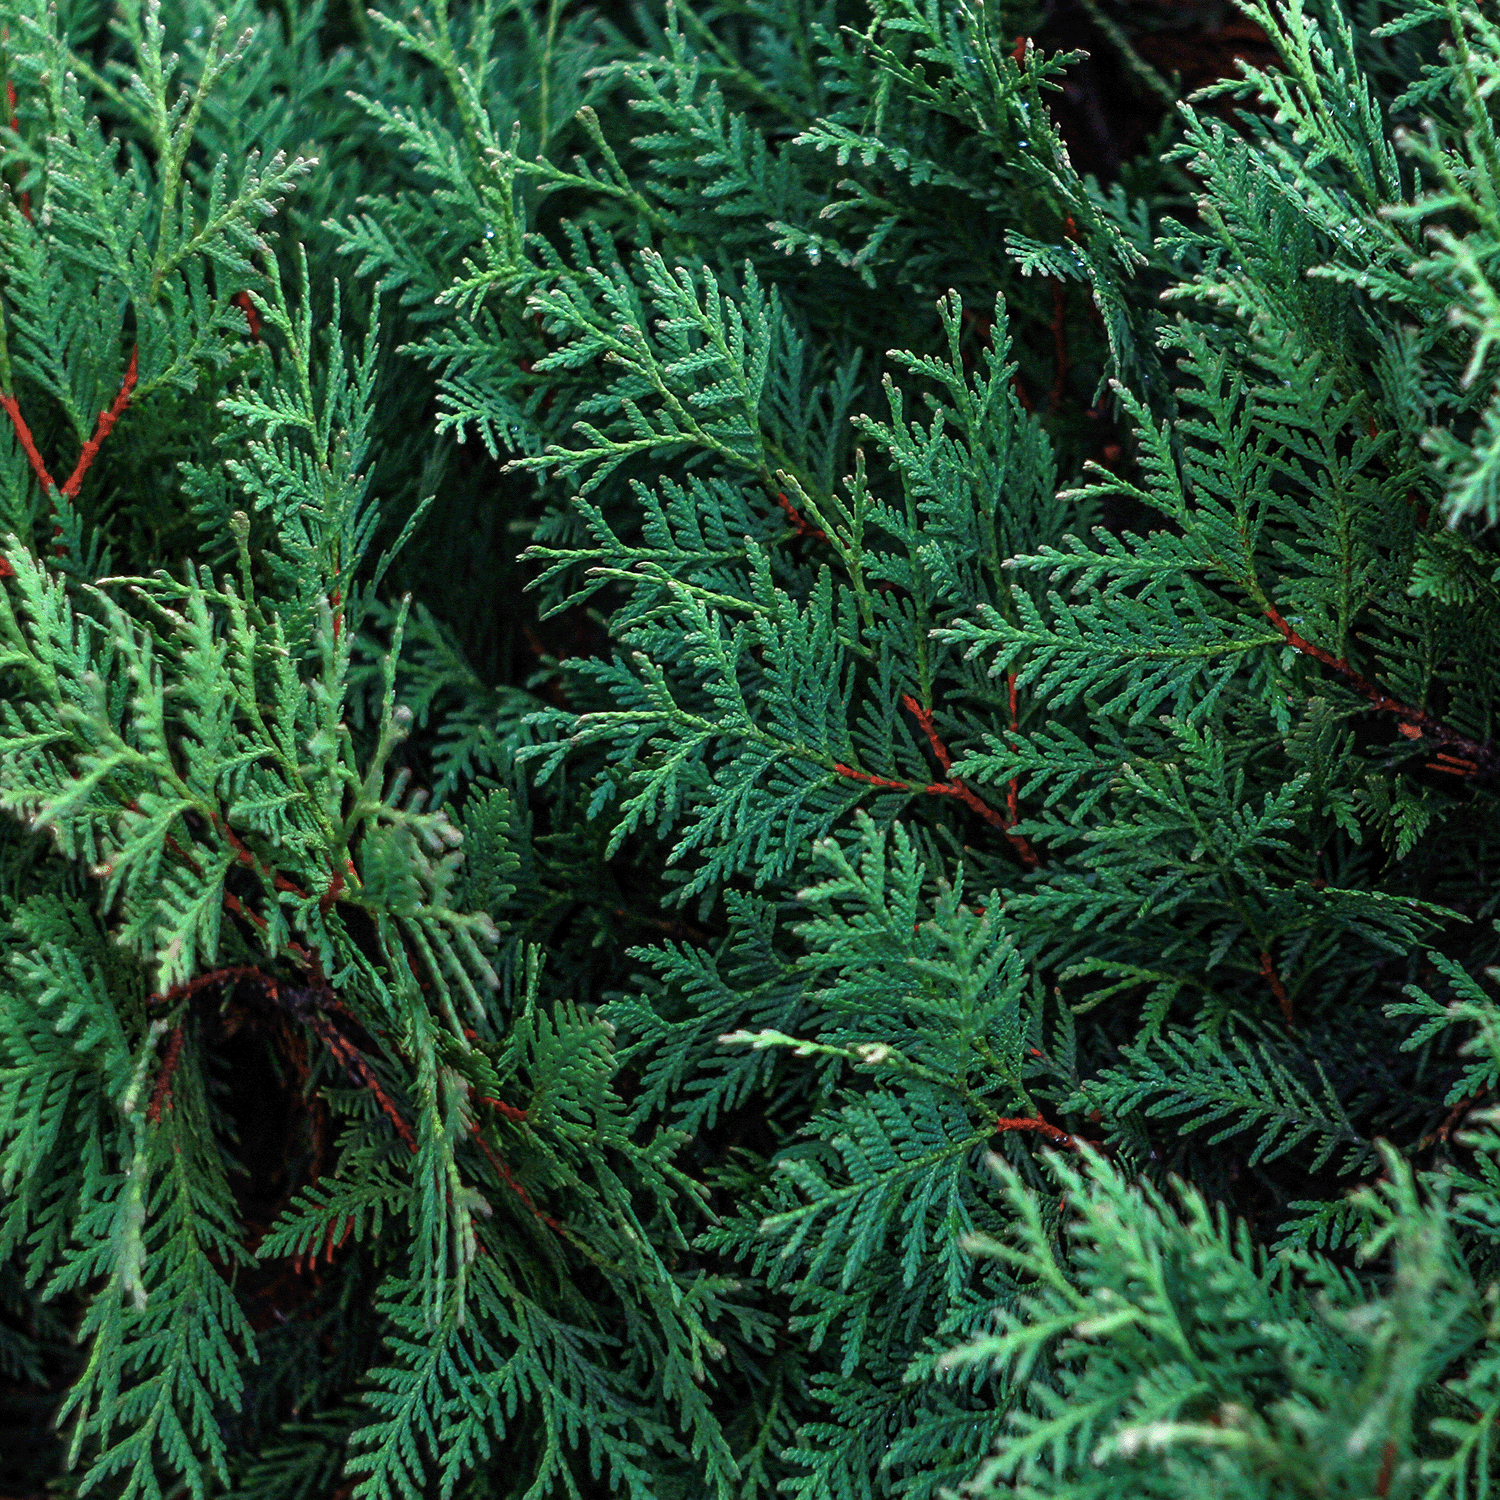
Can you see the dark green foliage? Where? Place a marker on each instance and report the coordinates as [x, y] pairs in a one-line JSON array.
[[684, 647]]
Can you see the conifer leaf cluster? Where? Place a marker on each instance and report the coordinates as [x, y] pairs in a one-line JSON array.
[[722, 779]]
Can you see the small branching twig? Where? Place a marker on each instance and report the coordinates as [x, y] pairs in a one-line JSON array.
[[1049, 1133], [954, 787], [803, 526], [102, 430], [1268, 971], [1479, 758], [161, 1095]]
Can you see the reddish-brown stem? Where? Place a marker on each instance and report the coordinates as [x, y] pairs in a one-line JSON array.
[[107, 420], [1387, 1469], [243, 854], [242, 301], [335, 887], [353, 1061], [923, 716], [162, 1093], [28, 445], [508, 1110], [1453, 765], [1059, 342], [800, 522], [411, 964], [1049, 1133], [303, 1264], [508, 1177], [1414, 722], [1455, 1114], [1268, 970], [853, 775], [172, 844], [238, 908], [15, 125], [957, 788], [214, 976], [1012, 796]]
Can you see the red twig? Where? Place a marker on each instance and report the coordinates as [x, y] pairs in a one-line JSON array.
[[509, 1178], [1456, 1114], [353, 1060], [303, 1264], [1414, 722], [952, 787], [172, 844], [957, 788], [212, 977], [923, 716], [252, 316], [1012, 796], [246, 857], [162, 1093], [800, 522], [28, 446], [1268, 970], [508, 1110], [107, 420], [1387, 1469], [853, 775], [335, 886], [15, 125], [1059, 340], [234, 905], [1050, 1133]]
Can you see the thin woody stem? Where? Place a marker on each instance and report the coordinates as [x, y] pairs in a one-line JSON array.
[[252, 314], [1012, 794], [803, 526], [28, 445], [1478, 758], [107, 420], [510, 1111], [15, 125], [509, 1178], [1060, 344], [86, 457], [1268, 971], [1387, 1469], [161, 1095], [853, 775], [1050, 1133], [955, 787]]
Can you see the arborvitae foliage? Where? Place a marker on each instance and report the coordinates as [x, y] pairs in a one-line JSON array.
[[725, 784]]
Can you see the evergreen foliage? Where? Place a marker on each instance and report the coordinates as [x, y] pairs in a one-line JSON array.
[[723, 784]]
